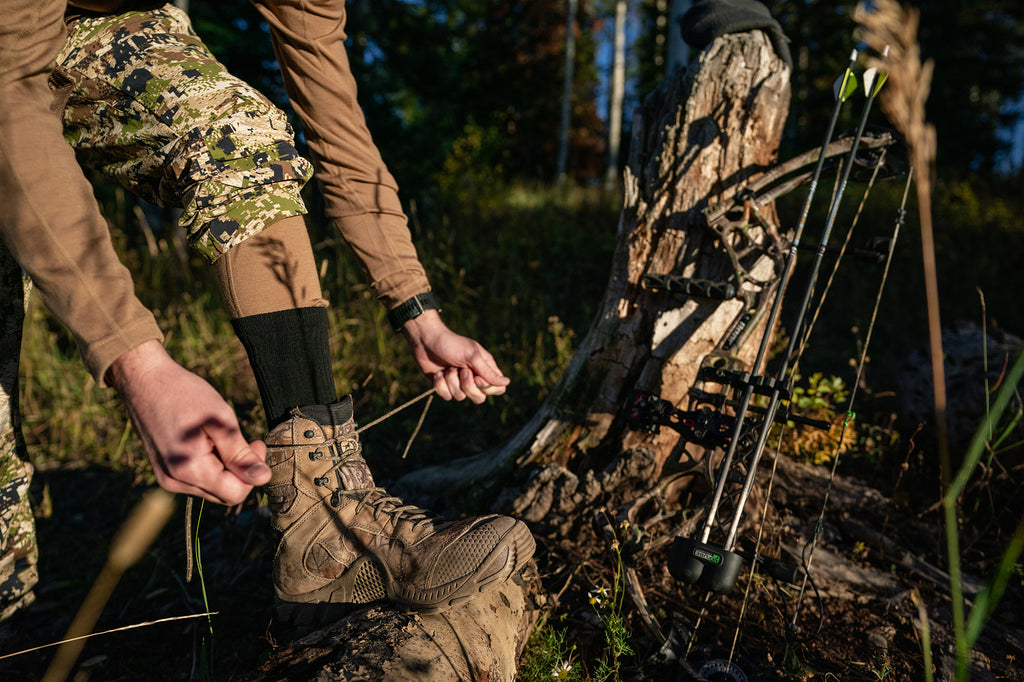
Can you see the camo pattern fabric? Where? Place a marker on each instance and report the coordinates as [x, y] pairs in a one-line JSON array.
[[151, 108], [18, 551]]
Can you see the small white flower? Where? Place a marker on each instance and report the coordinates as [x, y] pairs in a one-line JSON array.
[[598, 596], [561, 671]]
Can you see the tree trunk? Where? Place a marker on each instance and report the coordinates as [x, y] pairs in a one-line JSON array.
[[698, 139], [567, 81], [618, 81]]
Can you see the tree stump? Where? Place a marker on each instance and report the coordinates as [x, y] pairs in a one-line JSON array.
[[479, 640], [697, 140]]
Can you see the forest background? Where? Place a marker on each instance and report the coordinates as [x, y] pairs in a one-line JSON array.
[[464, 98]]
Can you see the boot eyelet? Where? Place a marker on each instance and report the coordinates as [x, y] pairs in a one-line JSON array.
[[314, 455], [309, 433], [335, 499], [320, 481]]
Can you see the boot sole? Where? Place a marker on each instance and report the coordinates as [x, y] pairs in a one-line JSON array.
[[368, 581]]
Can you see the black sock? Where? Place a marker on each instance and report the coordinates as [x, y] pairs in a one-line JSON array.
[[290, 356], [334, 414]]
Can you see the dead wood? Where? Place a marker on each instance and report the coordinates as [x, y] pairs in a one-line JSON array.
[[479, 640], [697, 139]]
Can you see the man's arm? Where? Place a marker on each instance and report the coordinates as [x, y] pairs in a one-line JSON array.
[[50, 220], [361, 195], [99, 5]]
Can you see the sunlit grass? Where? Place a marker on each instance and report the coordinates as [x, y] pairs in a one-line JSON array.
[[522, 272]]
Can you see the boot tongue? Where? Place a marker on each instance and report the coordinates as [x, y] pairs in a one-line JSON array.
[[355, 474]]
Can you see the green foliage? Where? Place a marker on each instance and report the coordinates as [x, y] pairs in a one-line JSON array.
[[820, 398], [473, 167], [429, 71], [608, 606], [548, 656], [206, 652], [821, 394], [968, 626]]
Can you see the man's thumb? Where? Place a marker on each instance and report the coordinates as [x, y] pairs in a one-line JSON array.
[[256, 470], [247, 461]]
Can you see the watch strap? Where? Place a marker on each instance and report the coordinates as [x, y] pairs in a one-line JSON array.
[[411, 309]]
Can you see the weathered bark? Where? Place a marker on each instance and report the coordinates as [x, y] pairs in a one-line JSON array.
[[696, 140]]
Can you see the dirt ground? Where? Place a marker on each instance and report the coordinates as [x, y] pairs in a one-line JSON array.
[[859, 620], [863, 594]]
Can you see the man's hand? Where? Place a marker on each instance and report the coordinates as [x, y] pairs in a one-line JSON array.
[[191, 434], [461, 367]]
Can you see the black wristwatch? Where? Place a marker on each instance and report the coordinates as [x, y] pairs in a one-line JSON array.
[[411, 309]]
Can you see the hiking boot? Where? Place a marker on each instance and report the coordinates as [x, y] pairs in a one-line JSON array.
[[345, 541]]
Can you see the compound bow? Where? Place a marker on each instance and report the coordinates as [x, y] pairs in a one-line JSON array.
[[709, 559]]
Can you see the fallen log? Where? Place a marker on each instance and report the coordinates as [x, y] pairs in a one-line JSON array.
[[478, 640]]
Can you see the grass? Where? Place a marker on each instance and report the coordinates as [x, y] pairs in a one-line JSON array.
[[503, 277], [549, 656]]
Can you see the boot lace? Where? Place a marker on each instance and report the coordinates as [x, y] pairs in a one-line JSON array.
[[373, 497]]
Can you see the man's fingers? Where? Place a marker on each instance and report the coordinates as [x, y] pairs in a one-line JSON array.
[[250, 463], [459, 384], [489, 389], [224, 472], [470, 385], [222, 488], [451, 377], [448, 385], [484, 366], [441, 386]]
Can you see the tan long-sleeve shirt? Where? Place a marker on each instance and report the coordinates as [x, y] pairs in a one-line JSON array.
[[50, 221]]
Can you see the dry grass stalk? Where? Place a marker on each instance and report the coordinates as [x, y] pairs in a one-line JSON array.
[[887, 24], [148, 518], [890, 25]]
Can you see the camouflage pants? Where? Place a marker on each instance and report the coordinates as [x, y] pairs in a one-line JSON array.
[[18, 553], [149, 107]]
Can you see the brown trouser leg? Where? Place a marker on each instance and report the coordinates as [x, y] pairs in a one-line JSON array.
[[271, 271]]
